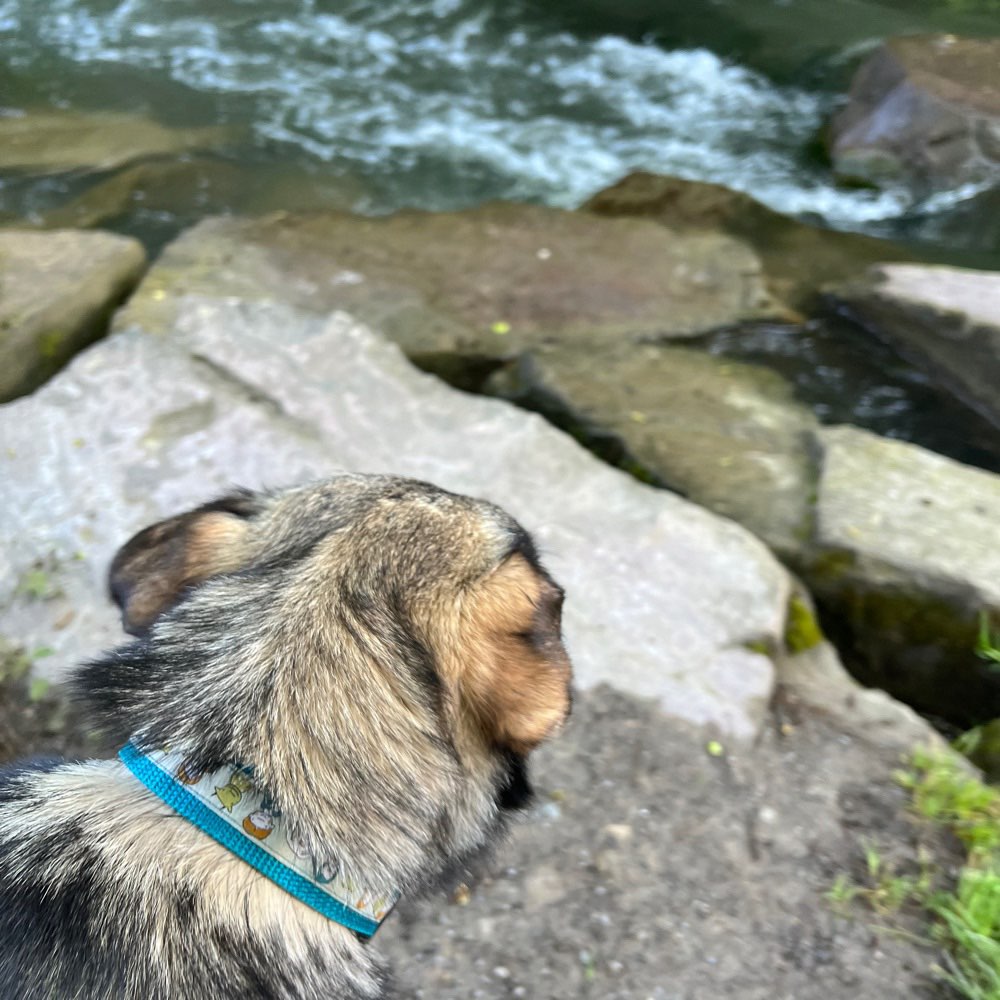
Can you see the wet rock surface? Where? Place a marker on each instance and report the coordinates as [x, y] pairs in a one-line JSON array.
[[57, 292], [903, 554], [50, 141], [797, 257], [946, 319], [923, 110], [457, 289], [649, 868]]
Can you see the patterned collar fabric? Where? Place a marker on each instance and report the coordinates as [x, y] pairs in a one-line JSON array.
[[227, 806]]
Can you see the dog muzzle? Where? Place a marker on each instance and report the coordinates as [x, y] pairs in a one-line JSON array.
[[228, 807]]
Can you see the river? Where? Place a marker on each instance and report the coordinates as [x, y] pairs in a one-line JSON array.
[[442, 104]]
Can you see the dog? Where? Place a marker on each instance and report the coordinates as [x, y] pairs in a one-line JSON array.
[[359, 669]]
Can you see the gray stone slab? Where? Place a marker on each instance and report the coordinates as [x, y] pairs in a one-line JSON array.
[[664, 597], [909, 517]]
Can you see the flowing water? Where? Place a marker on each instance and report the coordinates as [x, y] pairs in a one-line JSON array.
[[446, 103]]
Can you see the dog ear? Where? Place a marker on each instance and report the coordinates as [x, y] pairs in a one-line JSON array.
[[154, 568], [514, 674]]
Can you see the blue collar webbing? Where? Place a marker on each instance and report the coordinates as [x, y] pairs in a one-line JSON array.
[[227, 806]]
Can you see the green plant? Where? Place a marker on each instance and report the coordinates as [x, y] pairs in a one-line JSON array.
[[965, 910], [968, 915], [987, 645], [885, 891]]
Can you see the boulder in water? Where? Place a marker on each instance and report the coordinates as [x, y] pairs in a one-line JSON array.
[[924, 111]]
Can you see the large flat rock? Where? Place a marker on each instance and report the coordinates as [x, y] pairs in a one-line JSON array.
[[57, 292], [946, 319], [666, 600], [473, 285]]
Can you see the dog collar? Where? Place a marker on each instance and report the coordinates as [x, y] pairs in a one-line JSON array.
[[227, 806]]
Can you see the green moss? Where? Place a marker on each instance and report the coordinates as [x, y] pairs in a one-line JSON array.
[[50, 344], [830, 567], [802, 630], [38, 584]]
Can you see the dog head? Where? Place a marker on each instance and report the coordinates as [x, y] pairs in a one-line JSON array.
[[376, 648]]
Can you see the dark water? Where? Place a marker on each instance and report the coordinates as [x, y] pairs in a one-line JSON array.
[[846, 376]]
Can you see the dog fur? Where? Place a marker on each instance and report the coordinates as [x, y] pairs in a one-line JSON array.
[[383, 653]]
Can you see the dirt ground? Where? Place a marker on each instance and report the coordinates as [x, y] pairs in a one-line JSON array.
[[651, 869], [36, 720], [648, 869]]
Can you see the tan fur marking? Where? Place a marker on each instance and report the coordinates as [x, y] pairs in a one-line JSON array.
[[214, 545], [159, 563], [518, 690]]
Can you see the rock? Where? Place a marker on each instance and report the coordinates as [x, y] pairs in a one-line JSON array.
[[462, 289], [186, 190], [798, 258], [923, 110], [816, 678], [665, 599], [903, 557], [945, 319], [56, 141], [57, 292], [728, 436]]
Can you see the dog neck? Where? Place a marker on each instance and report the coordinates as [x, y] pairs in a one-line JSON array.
[[228, 806]]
